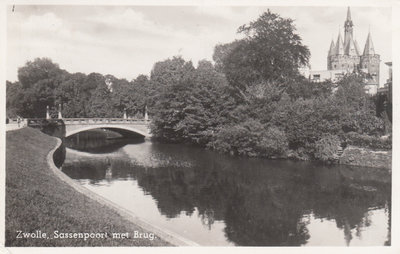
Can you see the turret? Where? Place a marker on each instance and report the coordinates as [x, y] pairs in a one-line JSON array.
[[332, 48], [370, 61], [331, 53], [336, 54], [339, 50], [369, 46]]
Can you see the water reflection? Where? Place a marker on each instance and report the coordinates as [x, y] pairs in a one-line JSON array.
[[100, 141], [240, 201]]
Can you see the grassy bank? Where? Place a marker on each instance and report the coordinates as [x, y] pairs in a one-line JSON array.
[[37, 200]]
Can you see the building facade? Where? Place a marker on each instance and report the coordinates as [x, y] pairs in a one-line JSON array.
[[344, 56]]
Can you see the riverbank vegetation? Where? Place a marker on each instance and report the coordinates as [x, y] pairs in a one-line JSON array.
[[37, 200], [251, 101]]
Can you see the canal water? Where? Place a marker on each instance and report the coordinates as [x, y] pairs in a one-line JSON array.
[[215, 199]]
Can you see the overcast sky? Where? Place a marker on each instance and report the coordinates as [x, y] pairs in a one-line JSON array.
[[127, 41]]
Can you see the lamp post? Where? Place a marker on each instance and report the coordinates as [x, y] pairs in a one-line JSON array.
[[47, 112], [146, 117], [59, 111]]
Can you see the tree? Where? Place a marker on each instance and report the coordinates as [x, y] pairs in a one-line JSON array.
[[37, 70], [271, 52], [39, 80], [121, 93], [143, 91], [358, 111], [191, 104], [172, 80], [208, 104], [13, 106], [100, 103], [303, 88], [221, 52], [170, 71], [71, 96], [351, 93]]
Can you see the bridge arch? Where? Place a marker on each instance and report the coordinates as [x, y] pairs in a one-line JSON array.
[[71, 129]]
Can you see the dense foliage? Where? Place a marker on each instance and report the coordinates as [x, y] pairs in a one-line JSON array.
[[252, 101], [42, 83], [326, 149]]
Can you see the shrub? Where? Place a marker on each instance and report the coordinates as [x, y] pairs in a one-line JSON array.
[[370, 124], [250, 138], [273, 143], [240, 139], [326, 148], [363, 122], [306, 121]]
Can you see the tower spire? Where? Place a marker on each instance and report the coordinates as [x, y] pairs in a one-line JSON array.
[[369, 46], [348, 14], [332, 48], [339, 49], [348, 28]]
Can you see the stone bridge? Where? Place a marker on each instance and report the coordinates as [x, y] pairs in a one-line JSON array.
[[124, 126]]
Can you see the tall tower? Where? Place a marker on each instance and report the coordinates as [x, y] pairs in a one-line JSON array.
[[346, 54], [370, 61], [348, 28]]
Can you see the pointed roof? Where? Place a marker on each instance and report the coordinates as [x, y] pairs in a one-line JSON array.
[[339, 50], [348, 13], [332, 48], [369, 46], [357, 47], [350, 47]]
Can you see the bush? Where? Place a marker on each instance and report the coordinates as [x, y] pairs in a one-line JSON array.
[[306, 121], [240, 139], [363, 122], [356, 139], [326, 148], [250, 138], [273, 143]]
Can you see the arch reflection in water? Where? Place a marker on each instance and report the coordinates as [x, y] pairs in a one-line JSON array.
[[100, 141], [221, 200]]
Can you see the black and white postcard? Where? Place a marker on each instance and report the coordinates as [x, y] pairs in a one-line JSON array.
[[203, 124]]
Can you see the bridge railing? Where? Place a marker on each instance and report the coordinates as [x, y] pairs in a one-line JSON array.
[[30, 121], [104, 121]]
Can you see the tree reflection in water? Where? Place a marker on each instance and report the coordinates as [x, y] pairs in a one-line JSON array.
[[261, 202]]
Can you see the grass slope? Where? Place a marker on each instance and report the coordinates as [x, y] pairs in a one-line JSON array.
[[36, 199]]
